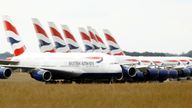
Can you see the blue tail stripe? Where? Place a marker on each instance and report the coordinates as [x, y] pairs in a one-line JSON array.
[[87, 48], [72, 46], [113, 48], [43, 43], [13, 41], [59, 45], [95, 47], [103, 48]]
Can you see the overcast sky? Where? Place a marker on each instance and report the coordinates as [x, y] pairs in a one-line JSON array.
[[137, 25]]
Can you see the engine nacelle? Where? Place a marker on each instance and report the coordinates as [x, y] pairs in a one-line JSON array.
[[190, 68], [41, 75], [139, 76], [5, 73], [163, 75], [128, 71], [185, 72], [173, 74], [152, 74]]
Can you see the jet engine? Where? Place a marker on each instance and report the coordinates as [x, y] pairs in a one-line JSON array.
[[163, 75], [152, 74], [128, 71], [139, 76], [190, 68], [173, 73], [132, 74], [5, 72], [41, 75], [185, 72]]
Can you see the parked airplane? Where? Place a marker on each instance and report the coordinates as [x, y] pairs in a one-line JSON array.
[[183, 71], [44, 41], [67, 66], [59, 41]]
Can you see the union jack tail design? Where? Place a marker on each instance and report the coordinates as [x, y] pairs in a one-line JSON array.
[[13, 37], [86, 40], [101, 43], [70, 39], [94, 40], [44, 41], [58, 39], [113, 46]]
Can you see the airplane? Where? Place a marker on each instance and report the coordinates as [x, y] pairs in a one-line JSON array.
[[48, 67], [44, 41], [70, 40], [182, 71], [59, 41]]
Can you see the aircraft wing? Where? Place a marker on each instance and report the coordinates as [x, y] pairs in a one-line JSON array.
[[8, 62], [18, 67], [66, 69]]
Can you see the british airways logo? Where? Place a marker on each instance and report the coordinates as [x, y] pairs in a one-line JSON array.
[[99, 59]]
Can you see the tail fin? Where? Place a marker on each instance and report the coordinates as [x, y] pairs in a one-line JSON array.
[[58, 39], [44, 41], [101, 43], [93, 39], [113, 46], [13, 37], [86, 40], [70, 39]]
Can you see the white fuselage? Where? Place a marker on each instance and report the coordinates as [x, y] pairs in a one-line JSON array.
[[79, 63]]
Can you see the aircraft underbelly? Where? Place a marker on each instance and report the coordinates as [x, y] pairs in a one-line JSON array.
[[78, 75]]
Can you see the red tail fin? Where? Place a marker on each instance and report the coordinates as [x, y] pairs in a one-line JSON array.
[[13, 37]]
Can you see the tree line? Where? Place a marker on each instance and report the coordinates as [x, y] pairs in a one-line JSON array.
[[188, 54]]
